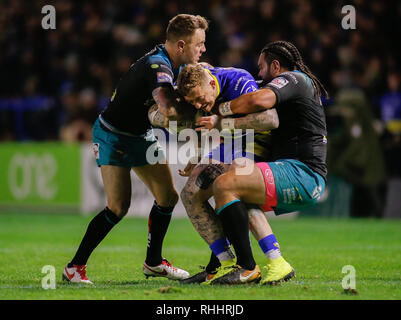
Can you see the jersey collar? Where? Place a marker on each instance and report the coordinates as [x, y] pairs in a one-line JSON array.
[[175, 71], [215, 79]]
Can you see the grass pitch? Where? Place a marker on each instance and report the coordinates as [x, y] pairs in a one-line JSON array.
[[317, 248]]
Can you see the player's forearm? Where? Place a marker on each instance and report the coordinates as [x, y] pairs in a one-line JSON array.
[[248, 103], [157, 118], [259, 121], [165, 99]]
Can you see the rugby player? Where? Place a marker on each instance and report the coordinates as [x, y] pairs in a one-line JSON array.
[[296, 176], [123, 133], [203, 87]]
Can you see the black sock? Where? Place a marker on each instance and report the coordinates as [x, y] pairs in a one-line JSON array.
[[235, 221], [159, 220], [97, 229], [214, 263]]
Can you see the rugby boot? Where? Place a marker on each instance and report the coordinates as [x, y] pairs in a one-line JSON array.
[[76, 274], [226, 267], [239, 275], [278, 271], [200, 277], [165, 269]]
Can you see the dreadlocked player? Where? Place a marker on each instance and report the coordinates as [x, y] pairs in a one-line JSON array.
[[295, 178]]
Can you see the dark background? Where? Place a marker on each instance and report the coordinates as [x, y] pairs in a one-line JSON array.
[[53, 83]]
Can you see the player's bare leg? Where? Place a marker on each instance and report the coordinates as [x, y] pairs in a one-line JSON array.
[[195, 195], [258, 223], [159, 180], [117, 185]]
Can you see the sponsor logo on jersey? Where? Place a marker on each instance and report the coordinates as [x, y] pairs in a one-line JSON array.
[[237, 83], [269, 176], [317, 192], [163, 77], [279, 82], [251, 89]]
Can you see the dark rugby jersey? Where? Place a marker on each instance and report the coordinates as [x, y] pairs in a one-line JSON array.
[[128, 108], [301, 134]]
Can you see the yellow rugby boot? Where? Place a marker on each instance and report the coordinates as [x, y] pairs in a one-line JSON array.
[[226, 267], [278, 271]]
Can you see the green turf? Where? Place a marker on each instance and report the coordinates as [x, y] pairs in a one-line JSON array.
[[317, 248]]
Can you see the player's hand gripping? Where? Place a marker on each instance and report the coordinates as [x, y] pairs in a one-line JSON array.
[[208, 122], [189, 167]]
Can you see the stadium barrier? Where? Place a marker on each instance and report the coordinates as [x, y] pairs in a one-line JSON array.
[[54, 177], [64, 178]]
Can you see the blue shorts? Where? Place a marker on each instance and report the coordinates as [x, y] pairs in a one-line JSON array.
[[122, 150], [297, 186]]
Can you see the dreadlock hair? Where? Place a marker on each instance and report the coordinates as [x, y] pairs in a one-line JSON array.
[[290, 58]]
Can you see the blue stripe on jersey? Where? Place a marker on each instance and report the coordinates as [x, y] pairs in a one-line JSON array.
[[310, 82], [160, 55]]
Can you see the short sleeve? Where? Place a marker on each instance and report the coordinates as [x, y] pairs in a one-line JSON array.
[[158, 73], [286, 87]]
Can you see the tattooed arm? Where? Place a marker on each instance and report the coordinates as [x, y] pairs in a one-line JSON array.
[[166, 99], [260, 121], [158, 119], [173, 106]]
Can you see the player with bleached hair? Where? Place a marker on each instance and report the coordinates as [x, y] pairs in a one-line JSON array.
[[204, 87]]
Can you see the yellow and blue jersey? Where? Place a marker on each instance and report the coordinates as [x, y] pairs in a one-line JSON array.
[[232, 83]]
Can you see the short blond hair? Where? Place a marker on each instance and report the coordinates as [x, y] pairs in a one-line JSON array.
[[191, 76], [184, 25]]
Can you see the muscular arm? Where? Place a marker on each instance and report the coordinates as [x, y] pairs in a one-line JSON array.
[[259, 121], [156, 117], [258, 100], [166, 99]]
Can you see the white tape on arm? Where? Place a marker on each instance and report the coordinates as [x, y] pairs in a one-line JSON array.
[[225, 109], [157, 118], [227, 124]]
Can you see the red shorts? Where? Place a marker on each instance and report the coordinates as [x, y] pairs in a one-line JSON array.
[[271, 194]]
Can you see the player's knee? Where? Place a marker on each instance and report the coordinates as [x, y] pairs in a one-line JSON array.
[[168, 199], [174, 198], [120, 208], [221, 184]]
